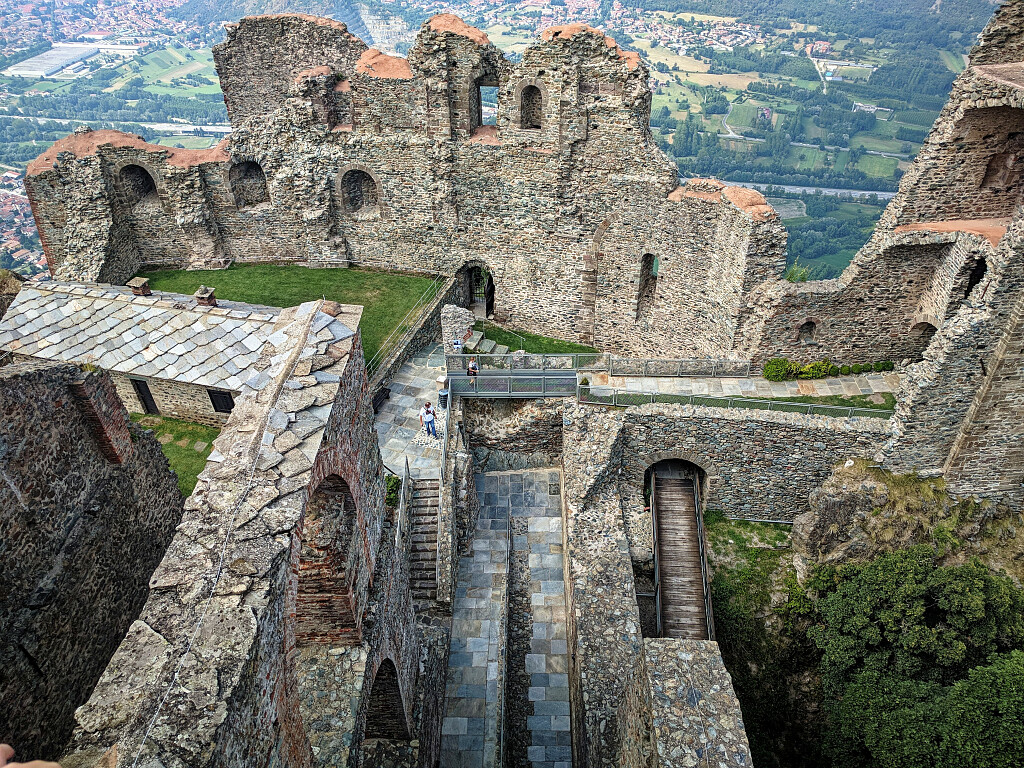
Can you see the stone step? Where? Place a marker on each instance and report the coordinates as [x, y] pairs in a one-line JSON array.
[[485, 347], [501, 349], [470, 345]]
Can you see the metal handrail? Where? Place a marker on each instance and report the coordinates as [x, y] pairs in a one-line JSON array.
[[620, 399], [406, 327], [440, 491], [598, 362], [703, 561], [562, 384]]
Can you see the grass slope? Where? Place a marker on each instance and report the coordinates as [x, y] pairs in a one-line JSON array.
[[531, 342], [386, 298]]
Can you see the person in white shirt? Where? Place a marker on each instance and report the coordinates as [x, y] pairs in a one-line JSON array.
[[427, 419]]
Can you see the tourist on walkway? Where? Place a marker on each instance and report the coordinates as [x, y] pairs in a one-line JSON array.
[[472, 369], [427, 419]]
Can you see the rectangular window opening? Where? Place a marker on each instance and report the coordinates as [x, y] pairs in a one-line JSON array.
[[222, 402], [145, 397], [488, 105]]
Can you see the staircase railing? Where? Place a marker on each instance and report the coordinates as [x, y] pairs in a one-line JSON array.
[[657, 566], [404, 331], [699, 513], [404, 502], [599, 362]]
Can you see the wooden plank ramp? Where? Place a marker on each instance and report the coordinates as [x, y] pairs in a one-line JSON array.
[[683, 613]]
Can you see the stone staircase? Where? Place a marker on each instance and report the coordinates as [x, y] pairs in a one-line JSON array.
[[476, 343], [423, 552]]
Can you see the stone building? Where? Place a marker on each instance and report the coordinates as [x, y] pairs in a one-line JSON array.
[[87, 507], [180, 356]]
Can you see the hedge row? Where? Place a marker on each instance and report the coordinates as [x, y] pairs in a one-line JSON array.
[[782, 369]]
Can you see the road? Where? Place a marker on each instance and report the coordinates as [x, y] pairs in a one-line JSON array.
[[814, 190]]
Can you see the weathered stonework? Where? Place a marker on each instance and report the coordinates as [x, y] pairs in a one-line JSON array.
[[87, 507], [367, 158], [514, 434]]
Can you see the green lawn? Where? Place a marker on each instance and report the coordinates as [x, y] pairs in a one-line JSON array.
[[180, 449], [877, 166], [386, 298], [531, 342]]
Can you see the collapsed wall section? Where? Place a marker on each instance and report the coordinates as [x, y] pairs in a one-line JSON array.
[[88, 507]]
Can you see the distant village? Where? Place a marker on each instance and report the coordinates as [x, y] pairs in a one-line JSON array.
[[19, 249]]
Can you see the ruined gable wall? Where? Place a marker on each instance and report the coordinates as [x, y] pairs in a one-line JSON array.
[[88, 507], [263, 55]]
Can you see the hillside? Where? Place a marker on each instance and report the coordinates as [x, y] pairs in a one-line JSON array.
[[205, 12]]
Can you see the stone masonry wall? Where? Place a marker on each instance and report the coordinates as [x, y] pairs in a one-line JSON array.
[[88, 507], [175, 399], [513, 434], [241, 691], [562, 215]]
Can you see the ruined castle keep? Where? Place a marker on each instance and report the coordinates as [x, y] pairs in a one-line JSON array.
[[300, 618]]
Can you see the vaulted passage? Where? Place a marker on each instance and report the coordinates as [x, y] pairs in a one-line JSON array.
[[137, 185], [385, 713], [359, 191], [323, 609]]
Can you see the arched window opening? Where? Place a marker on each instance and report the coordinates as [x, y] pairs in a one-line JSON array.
[[807, 332], [323, 607], [530, 107], [976, 276], [385, 713], [248, 184], [483, 102], [137, 185], [359, 191], [648, 286], [670, 589]]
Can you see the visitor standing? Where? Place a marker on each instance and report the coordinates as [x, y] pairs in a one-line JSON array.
[[427, 417], [472, 369]]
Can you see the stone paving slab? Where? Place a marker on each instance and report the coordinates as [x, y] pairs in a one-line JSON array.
[[399, 433], [864, 384], [470, 733]]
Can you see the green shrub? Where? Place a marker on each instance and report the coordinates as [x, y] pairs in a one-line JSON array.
[[845, 370], [856, 368], [393, 483], [885, 365], [833, 370], [818, 370], [778, 369]]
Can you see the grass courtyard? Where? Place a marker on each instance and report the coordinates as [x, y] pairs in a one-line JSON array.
[[185, 444], [386, 298]]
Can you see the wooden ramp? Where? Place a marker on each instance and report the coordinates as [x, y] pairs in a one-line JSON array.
[[681, 579]]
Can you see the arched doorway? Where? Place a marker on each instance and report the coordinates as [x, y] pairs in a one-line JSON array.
[[678, 605], [480, 289]]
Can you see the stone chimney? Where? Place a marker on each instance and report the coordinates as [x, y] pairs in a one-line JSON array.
[[140, 286], [205, 297]]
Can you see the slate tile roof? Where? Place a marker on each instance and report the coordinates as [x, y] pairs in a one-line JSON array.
[[164, 335]]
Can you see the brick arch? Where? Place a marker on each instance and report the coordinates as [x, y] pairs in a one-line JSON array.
[[377, 211], [387, 711]]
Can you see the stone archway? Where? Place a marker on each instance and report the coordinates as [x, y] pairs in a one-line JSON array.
[[387, 716]]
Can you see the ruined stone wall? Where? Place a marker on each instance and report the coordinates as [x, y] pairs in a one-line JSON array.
[[513, 434], [250, 695], [659, 724], [389, 166], [88, 507]]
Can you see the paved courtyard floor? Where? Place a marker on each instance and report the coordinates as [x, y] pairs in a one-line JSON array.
[[864, 384], [399, 433]]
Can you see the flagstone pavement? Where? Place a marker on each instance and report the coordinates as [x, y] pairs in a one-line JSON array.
[[399, 433]]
